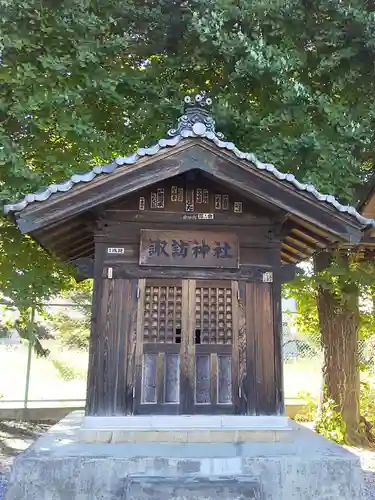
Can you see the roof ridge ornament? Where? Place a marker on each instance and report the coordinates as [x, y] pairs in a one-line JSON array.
[[197, 120]]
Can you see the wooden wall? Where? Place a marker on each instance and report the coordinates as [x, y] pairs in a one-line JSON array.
[[112, 348]]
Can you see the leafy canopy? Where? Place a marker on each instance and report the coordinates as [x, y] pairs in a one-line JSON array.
[[292, 81]]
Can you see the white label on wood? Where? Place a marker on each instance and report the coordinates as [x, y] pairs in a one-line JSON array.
[[206, 216], [237, 207], [205, 196], [189, 203], [225, 202], [153, 200], [160, 197], [268, 277], [174, 194], [218, 201], [142, 203], [117, 250], [199, 196], [110, 272], [180, 195]]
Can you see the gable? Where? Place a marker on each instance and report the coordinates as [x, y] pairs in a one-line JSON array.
[[197, 195], [310, 221], [241, 176]]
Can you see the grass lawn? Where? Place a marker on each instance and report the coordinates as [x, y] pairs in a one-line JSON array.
[[47, 383], [45, 380], [303, 375]]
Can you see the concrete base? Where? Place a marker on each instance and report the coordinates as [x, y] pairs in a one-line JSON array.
[[185, 429], [58, 467]]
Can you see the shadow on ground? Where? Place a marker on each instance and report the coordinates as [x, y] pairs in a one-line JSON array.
[[15, 437]]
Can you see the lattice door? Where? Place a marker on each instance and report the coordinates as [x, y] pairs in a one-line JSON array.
[[162, 313], [213, 341], [213, 313], [186, 332], [161, 335]]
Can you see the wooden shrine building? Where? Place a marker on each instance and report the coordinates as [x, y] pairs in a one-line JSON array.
[[188, 242]]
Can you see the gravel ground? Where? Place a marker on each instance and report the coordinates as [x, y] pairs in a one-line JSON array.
[[369, 476], [368, 466], [17, 436], [14, 438]]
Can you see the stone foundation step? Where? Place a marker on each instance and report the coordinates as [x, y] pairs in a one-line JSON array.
[[59, 467], [185, 429], [182, 436], [193, 488]]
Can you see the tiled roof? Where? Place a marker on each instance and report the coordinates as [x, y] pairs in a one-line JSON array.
[[196, 123]]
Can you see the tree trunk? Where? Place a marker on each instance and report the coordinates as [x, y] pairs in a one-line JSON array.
[[339, 330]]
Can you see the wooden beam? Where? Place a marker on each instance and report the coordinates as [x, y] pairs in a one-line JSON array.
[[129, 271], [64, 240], [295, 251], [213, 162], [289, 259], [84, 267], [286, 273], [85, 196], [57, 229], [310, 237], [73, 250], [294, 258], [88, 252], [305, 225], [281, 194], [300, 244]]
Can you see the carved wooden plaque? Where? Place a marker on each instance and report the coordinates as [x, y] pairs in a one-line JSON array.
[[188, 249]]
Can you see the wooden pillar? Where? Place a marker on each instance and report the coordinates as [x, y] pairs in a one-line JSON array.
[[278, 348], [112, 347], [263, 381]]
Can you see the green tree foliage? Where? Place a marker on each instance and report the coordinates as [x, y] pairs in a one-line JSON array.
[[67, 372], [346, 287], [290, 78], [71, 325], [293, 81], [339, 279], [36, 333]]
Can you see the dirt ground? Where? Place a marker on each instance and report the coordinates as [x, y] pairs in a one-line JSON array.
[[16, 437]]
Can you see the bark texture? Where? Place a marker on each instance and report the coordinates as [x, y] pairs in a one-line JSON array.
[[339, 325]]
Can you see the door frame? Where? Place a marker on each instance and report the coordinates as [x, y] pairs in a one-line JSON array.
[[188, 350]]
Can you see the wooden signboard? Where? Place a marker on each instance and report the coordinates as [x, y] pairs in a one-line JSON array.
[[188, 249]]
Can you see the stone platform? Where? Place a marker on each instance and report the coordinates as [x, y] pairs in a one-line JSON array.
[[59, 467], [185, 429]]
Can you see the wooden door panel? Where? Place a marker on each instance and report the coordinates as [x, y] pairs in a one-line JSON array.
[[159, 351], [213, 377], [213, 334], [261, 376], [198, 364], [235, 363], [188, 349], [213, 392], [240, 348], [113, 349], [248, 296], [225, 386], [265, 348], [213, 312]]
